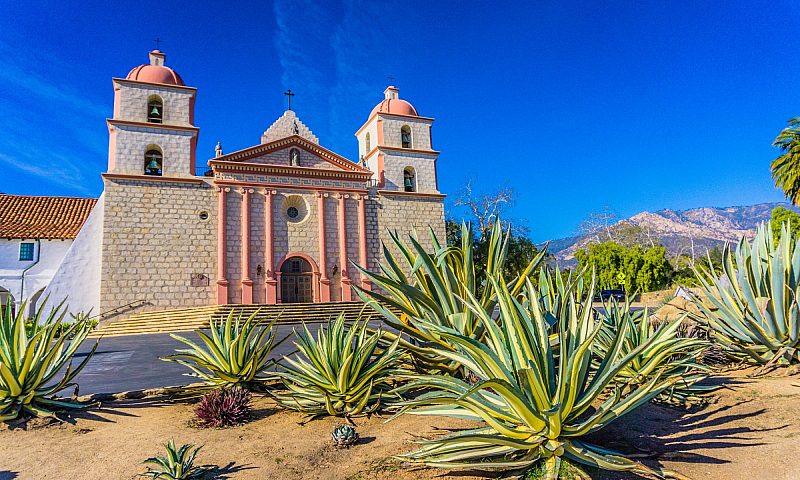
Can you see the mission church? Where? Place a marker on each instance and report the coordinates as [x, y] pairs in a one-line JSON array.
[[278, 222]]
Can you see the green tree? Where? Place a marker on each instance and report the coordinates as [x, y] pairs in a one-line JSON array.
[[786, 168], [781, 215], [634, 268], [521, 250], [683, 273]]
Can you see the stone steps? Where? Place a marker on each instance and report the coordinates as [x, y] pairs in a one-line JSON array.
[[189, 319]]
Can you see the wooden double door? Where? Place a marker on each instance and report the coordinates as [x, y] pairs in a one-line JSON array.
[[296, 281], [297, 288]]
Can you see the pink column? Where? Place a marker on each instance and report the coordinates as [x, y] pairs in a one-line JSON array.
[[222, 282], [324, 281], [247, 282], [269, 262], [362, 239], [343, 266]]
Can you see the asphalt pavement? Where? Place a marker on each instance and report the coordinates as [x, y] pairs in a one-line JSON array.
[[132, 362]]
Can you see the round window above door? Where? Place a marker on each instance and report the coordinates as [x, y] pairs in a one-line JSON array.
[[295, 209]]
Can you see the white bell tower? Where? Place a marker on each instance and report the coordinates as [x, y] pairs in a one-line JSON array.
[[395, 143], [152, 132]]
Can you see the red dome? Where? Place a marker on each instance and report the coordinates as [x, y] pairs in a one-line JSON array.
[[393, 104], [156, 72]]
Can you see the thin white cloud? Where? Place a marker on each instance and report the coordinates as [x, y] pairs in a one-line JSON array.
[[49, 131], [58, 170]]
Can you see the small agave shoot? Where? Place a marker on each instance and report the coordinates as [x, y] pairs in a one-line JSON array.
[[539, 395], [343, 372], [669, 354], [177, 464], [36, 364], [223, 407], [344, 436], [235, 353], [432, 293], [752, 309]]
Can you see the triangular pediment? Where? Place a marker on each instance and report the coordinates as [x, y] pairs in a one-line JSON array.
[[286, 126], [279, 153]]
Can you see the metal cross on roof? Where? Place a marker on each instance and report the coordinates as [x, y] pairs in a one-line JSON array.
[[158, 43], [289, 96]]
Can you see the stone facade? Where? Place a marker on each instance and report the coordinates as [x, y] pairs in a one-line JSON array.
[[406, 215], [131, 100], [130, 142], [155, 241], [182, 241]]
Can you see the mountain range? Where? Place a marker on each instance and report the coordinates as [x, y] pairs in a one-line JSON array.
[[680, 231]]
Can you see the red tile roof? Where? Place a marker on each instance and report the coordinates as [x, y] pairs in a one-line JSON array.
[[23, 216]]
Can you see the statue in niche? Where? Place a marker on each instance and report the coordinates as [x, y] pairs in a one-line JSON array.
[[294, 158]]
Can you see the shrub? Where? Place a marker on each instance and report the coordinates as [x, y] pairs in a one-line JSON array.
[[752, 309], [36, 363], [538, 394], [235, 353], [433, 293], [223, 407], [177, 464], [342, 372]]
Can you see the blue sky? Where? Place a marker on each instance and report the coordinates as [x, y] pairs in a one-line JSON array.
[[575, 105]]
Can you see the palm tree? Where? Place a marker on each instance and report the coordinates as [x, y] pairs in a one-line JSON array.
[[786, 168]]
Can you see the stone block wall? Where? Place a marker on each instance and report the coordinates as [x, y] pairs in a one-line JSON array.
[[154, 240], [133, 99], [420, 132], [406, 214], [424, 166], [132, 142]]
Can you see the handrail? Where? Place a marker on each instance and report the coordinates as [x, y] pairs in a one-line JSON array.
[[120, 308]]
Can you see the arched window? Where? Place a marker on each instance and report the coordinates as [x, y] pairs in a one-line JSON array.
[[367, 144], [405, 136], [409, 180], [294, 157], [155, 109], [153, 161]]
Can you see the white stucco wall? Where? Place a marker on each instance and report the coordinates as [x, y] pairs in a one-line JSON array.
[[78, 276], [47, 256]]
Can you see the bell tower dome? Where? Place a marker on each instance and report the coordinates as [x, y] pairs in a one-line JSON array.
[[152, 132], [395, 143]]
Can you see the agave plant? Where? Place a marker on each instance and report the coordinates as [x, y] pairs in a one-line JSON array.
[[343, 372], [344, 436], [235, 353], [752, 309], [36, 364], [177, 464], [537, 397], [433, 291], [670, 354]]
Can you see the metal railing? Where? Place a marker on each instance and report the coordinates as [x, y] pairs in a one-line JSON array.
[[117, 310], [203, 172]]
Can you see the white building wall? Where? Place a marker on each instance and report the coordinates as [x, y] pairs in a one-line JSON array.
[[78, 276], [47, 256]]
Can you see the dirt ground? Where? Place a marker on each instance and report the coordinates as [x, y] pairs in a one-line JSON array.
[[750, 431]]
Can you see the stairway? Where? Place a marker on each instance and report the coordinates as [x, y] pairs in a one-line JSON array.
[[189, 319]]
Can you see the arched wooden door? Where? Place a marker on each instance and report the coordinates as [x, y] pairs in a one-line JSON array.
[[296, 281]]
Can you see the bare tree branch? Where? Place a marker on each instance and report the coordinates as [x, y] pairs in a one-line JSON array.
[[485, 208]]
